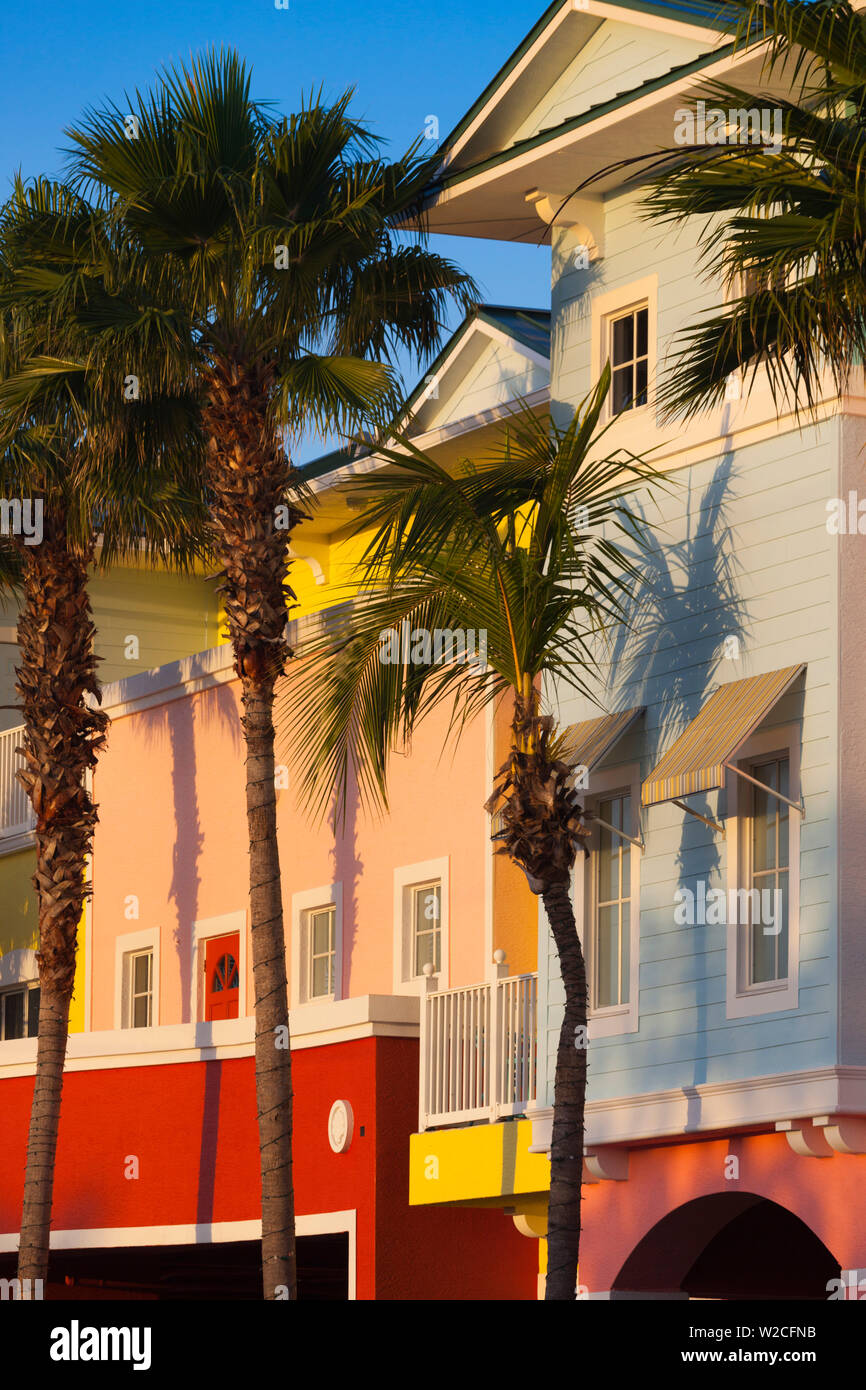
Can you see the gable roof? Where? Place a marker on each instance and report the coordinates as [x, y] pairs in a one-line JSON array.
[[528, 330], [544, 56]]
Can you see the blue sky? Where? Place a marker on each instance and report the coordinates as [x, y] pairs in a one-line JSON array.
[[406, 61]]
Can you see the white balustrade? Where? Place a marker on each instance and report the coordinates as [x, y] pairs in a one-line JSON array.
[[478, 1051], [16, 815]]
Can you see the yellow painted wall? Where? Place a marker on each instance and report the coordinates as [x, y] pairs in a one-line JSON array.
[[515, 917], [19, 928]]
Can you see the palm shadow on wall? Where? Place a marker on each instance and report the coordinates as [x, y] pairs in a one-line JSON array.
[[186, 721], [686, 635]]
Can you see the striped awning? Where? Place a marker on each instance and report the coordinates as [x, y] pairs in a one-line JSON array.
[[588, 743], [696, 762]]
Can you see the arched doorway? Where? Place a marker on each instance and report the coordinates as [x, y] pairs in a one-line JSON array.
[[733, 1245]]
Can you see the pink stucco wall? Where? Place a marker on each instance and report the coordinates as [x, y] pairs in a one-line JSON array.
[[172, 832]]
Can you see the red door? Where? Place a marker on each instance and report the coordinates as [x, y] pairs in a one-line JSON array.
[[221, 977]]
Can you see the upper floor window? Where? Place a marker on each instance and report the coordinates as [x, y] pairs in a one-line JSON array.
[[426, 927], [322, 951], [611, 948], [421, 906], [629, 358], [607, 900], [768, 864], [316, 974], [19, 1012], [762, 875], [139, 989]]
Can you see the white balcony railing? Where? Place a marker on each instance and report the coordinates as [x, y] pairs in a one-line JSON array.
[[478, 1052], [16, 814]]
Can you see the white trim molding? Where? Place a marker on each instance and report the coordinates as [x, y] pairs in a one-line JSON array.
[[202, 931], [721, 1105], [124, 946], [757, 1000], [331, 895], [407, 877], [316, 1025]]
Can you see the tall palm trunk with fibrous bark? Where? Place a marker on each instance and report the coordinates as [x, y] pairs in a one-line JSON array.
[[541, 831], [249, 474], [62, 735], [569, 1101]]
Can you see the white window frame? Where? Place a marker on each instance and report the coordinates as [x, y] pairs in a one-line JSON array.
[[202, 932], [775, 996], [610, 306], [616, 1019], [303, 904], [131, 943], [407, 877]]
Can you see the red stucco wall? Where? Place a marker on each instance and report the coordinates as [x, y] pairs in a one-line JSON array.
[[192, 1128]]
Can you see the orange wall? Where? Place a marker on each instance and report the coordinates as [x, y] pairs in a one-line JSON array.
[[172, 832], [823, 1192]]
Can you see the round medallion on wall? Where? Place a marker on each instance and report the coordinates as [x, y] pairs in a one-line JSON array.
[[340, 1124]]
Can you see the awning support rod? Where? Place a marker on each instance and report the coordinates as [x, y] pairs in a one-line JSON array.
[[597, 820], [714, 825], [778, 795]]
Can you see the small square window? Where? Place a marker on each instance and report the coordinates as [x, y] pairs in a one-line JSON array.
[[629, 357]]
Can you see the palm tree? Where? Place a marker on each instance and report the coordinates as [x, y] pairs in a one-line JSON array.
[[273, 256], [785, 226], [524, 551], [101, 485]]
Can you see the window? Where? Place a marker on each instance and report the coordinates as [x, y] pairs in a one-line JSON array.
[[767, 938], [316, 971], [421, 911], [629, 358], [139, 989], [607, 901], [19, 1012], [322, 928], [426, 927], [762, 876], [611, 945]]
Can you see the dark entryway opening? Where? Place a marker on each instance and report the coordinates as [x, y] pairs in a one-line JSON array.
[[730, 1246], [175, 1273]]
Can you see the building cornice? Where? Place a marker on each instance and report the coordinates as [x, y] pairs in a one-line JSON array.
[[313, 1025], [715, 1106]]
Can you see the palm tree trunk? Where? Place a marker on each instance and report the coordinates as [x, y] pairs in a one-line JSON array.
[[42, 1140], [61, 739], [273, 1053], [569, 1099], [250, 475]]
